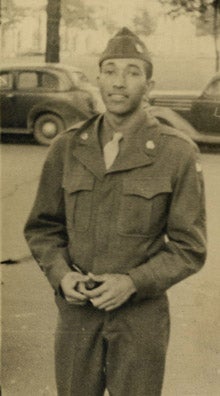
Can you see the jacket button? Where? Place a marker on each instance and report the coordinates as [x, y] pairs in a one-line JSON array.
[[198, 167], [150, 145], [84, 136]]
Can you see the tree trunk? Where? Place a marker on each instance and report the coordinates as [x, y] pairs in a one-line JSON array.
[[53, 24], [216, 29]]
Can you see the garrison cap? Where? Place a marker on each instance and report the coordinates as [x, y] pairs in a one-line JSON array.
[[125, 44]]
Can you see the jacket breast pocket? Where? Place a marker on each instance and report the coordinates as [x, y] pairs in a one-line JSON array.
[[144, 206], [78, 202]]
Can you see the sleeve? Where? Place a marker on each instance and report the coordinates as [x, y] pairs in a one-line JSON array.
[[45, 230], [184, 250]]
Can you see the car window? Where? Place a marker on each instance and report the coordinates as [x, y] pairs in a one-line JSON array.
[[42, 81], [213, 89], [64, 81], [56, 80], [49, 81], [6, 81], [27, 80]]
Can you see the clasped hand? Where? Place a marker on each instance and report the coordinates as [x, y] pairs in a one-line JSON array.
[[114, 289]]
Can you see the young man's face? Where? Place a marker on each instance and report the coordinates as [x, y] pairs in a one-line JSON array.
[[123, 83]]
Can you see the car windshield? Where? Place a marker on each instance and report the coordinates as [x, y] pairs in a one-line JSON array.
[[55, 81], [5, 81], [79, 78], [213, 89]]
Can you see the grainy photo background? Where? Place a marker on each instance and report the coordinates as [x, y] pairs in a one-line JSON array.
[[184, 59]]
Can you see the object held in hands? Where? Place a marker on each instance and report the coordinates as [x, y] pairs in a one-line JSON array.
[[89, 284]]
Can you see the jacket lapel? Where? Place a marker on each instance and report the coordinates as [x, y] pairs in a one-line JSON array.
[[141, 148], [87, 148]]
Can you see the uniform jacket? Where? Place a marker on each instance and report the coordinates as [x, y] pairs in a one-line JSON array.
[[145, 216]]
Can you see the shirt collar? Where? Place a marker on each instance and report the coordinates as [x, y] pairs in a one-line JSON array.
[[128, 126]]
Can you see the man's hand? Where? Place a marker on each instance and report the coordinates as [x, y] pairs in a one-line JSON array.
[[113, 292], [71, 284]]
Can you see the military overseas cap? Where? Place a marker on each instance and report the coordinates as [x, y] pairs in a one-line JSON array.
[[125, 44]]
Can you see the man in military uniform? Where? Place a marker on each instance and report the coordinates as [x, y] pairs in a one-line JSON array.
[[118, 219]]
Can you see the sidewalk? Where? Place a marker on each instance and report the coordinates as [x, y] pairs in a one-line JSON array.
[[29, 320]]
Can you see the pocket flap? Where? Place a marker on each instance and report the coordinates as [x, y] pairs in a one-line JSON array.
[[147, 187], [78, 184]]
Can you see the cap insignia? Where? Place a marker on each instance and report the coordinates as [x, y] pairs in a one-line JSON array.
[[139, 48]]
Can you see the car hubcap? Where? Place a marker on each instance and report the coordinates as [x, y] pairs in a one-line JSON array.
[[49, 129]]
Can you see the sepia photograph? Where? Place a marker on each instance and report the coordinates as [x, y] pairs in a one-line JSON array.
[[110, 197]]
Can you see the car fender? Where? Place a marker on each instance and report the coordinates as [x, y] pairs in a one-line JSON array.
[[63, 109]]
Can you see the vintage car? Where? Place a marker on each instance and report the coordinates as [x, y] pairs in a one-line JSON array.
[[201, 110], [205, 110], [169, 117], [44, 99]]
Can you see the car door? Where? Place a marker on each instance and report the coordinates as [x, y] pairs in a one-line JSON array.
[[34, 87], [7, 98], [206, 110], [26, 97]]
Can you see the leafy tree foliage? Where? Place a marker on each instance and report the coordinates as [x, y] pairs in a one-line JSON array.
[[76, 13], [196, 7], [10, 13], [143, 23], [206, 15]]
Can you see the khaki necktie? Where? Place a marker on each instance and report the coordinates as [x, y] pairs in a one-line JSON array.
[[111, 149]]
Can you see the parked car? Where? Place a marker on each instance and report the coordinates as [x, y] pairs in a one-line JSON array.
[[202, 110], [171, 118], [45, 99], [205, 110]]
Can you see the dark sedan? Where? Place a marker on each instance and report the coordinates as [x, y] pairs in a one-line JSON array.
[[205, 110], [45, 99], [202, 110], [171, 118]]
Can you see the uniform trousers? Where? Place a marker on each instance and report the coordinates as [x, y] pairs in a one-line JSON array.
[[123, 350]]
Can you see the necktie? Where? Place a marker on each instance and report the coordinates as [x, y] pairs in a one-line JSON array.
[[111, 149]]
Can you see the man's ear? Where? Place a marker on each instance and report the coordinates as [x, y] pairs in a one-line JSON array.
[[150, 85]]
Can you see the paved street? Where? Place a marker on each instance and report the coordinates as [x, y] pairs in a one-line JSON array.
[[29, 314]]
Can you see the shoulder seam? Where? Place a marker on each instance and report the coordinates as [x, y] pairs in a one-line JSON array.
[[176, 133]]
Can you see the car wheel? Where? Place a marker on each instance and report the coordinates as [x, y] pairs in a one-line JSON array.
[[47, 127]]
